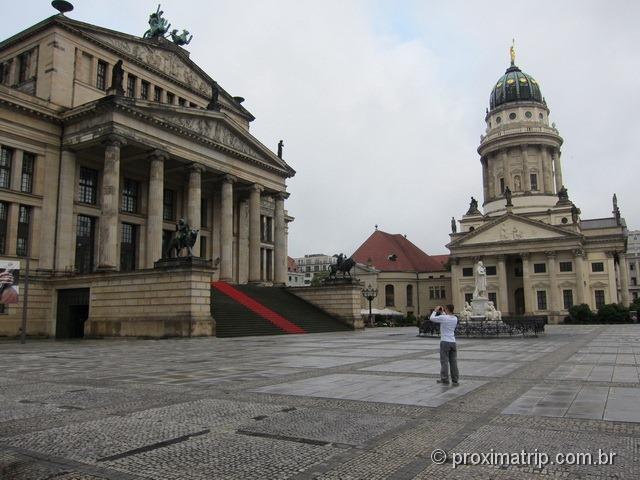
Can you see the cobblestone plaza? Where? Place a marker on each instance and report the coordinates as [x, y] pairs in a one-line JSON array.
[[356, 405]]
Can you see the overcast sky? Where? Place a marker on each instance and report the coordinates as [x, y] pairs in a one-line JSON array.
[[381, 103]]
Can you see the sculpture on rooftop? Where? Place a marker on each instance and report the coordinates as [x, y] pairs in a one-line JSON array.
[[473, 207], [181, 39], [454, 227], [117, 78], [343, 264], [507, 195], [158, 26], [214, 104], [280, 147]]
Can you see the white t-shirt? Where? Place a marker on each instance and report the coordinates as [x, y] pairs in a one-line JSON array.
[[448, 325]]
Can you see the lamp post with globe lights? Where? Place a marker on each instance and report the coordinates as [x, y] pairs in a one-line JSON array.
[[369, 294]]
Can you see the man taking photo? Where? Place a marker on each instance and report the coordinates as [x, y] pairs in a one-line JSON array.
[[448, 349]]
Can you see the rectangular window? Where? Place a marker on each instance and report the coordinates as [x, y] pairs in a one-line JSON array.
[[85, 234], [171, 98], [539, 268], [634, 281], [204, 212], [597, 267], [128, 248], [181, 101], [131, 86], [534, 181], [3, 72], [157, 94], [493, 297], [6, 156], [542, 300], [566, 266], [168, 206], [101, 76], [491, 270], [88, 187], [467, 272], [129, 196], [599, 296], [567, 299], [203, 247], [24, 217], [4, 215], [266, 235], [193, 105], [631, 266], [26, 182], [443, 292], [167, 235], [468, 297], [502, 185], [144, 90], [24, 60]]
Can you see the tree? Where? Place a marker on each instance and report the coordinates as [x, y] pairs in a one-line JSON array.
[[316, 281]]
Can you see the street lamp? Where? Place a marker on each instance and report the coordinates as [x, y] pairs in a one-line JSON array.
[[370, 293]]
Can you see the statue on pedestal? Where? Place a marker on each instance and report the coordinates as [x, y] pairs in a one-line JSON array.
[[507, 195], [473, 207], [117, 78], [481, 281], [185, 238], [454, 227]]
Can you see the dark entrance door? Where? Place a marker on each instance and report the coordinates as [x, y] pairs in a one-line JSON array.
[[72, 312], [519, 298]]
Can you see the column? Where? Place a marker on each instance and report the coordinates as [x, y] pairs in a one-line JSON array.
[[546, 169], [485, 178], [613, 276], [503, 291], [529, 297], [108, 245], [226, 229], [254, 233], [243, 241], [155, 206], [624, 278], [578, 256], [194, 202], [280, 243], [526, 180], [12, 228], [505, 169], [554, 304], [47, 173], [456, 297], [557, 168], [66, 241], [16, 170]]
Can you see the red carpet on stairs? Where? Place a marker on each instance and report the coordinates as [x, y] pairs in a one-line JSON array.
[[257, 308]]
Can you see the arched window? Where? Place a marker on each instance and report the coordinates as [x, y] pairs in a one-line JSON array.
[[409, 295], [388, 296]]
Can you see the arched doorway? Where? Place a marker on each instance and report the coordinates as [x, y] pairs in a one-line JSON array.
[[519, 301]]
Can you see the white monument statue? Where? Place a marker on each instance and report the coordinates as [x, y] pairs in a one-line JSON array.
[[466, 313], [491, 312], [481, 281], [480, 300]]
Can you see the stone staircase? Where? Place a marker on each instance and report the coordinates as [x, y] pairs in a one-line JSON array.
[[242, 310]]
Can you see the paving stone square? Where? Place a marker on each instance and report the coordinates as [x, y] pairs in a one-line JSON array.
[[354, 405]]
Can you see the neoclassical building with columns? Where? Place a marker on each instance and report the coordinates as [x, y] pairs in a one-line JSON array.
[[541, 256], [93, 180]]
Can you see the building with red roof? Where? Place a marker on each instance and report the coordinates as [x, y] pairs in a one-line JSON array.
[[408, 279]]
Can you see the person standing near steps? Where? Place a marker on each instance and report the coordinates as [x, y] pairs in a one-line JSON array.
[[448, 347]]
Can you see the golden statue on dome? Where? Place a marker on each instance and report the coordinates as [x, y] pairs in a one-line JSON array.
[[512, 52]]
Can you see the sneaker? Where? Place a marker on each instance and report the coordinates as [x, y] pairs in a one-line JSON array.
[[444, 382], [455, 384]]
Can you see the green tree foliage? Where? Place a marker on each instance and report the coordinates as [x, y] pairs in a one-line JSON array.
[[580, 314]]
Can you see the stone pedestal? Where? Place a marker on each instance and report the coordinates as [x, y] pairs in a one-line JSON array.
[[341, 301], [479, 306]]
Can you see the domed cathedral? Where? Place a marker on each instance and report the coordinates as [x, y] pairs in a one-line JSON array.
[[541, 257]]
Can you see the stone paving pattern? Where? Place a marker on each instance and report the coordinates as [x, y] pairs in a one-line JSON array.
[[354, 405]]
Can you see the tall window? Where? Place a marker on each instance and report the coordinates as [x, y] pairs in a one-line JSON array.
[[167, 235], [6, 155], [88, 187], [171, 98], [502, 185], [204, 213], [128, 248], [129, 196], [468, 297], [24, 217], [203, 247], [389, 300], [567, 299], [131, 86], [144, 90], [85, 235], [26, 182], [24, 60], [409, 295], [542, 300], [101, 76], [3, 72], [534, 181], [266, 234], [4, 215], [181, 101], [168, 206], [157, 94], [493, 297], [599, 296]]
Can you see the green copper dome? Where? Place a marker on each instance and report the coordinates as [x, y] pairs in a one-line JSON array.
[[515, 86]]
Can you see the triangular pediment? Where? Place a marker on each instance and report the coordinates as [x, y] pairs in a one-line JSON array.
[[513, 228]]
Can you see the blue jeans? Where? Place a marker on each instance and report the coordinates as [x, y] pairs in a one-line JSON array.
[[448, 360]]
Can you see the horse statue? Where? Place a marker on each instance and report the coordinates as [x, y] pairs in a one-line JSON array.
[[343, 265], [185, 238], [182, 38], [158, 26]]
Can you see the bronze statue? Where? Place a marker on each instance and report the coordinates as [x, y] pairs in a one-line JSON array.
[[214, 104], [117, 78], [575, 211], [181, 39], [185, 238], [563, 194], [158, 26], [454, 227], [473, 207], [343, 264], [507, 195], [280, 147]]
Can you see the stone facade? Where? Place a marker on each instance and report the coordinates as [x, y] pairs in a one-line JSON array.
[[339, 301], [94, 182], [633, 264], [541, 256]]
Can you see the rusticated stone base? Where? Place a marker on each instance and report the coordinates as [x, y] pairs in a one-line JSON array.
[[341, 301]]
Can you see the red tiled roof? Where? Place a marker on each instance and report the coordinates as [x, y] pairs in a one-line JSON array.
[[291, 265], [380, 245]]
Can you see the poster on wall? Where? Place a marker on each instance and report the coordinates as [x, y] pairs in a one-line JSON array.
[[9, 275]]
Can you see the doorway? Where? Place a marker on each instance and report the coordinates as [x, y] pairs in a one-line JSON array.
[[72, 312], [519, 300]]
